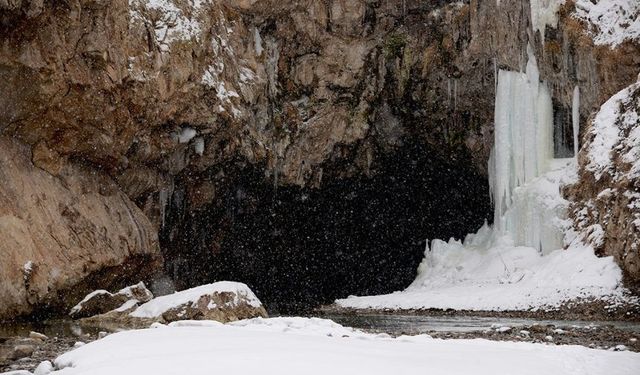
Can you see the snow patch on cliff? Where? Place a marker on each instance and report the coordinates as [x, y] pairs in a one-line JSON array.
[[170, 20], [610, 22], [615, 128]]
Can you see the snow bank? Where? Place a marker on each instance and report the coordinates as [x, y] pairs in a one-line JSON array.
[[270, 347], [610, 22], [159, 305]]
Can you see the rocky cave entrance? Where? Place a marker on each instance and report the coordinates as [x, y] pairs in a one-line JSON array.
[[298, 248]]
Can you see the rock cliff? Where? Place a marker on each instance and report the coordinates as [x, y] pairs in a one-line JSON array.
[[61, 236]]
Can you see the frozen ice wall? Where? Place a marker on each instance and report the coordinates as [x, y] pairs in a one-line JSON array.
[[523, 151]]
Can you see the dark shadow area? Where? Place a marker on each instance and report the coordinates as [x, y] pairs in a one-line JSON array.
[[298, 248]]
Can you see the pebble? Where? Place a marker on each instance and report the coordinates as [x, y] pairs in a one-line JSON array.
[[37, 336], [503, 329], [78, 344], [524, 332], [548, 338], [558, 331], [102, 334], [619, 348]]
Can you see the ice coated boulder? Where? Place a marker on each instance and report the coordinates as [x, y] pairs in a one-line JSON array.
[[223, 301], [102, 301]]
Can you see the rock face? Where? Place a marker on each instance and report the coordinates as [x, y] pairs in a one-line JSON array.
[[606, 200], [61, 235], [102, 301]]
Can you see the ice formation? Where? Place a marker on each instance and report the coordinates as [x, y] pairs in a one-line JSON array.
[[575, 119], [523, 150], [544, 13]]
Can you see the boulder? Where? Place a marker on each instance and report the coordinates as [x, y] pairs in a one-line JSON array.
[[102, 301], [223, 301]]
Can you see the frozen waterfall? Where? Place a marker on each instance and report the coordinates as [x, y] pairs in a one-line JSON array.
[[523, 151]]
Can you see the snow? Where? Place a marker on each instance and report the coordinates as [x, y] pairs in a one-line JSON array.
[[606, 129], [306, 346], [43, 368], [610, 22], [491, 274], [186, 134], [77, 308], [520, 263], [198, 145], [169, 22], [157, 306]]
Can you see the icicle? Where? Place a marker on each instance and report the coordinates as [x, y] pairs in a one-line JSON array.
[[575, 118], [495, 72], [164, 198], [455, 95]]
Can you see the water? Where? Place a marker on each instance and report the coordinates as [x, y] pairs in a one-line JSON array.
[[51, 328], [391, 324], [413, 325]]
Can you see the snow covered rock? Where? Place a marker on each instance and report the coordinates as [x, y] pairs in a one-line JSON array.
[[606, 198], [223, 301], [102, 301]]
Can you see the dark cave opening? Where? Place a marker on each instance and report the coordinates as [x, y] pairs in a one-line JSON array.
[[298, 248]]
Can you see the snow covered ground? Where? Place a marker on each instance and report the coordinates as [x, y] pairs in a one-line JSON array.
[[317, 346]]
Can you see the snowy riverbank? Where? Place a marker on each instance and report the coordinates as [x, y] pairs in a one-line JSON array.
[[317, 346]]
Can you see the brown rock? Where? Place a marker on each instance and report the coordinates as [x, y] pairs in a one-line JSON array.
[[60, 237], [22, 351], [102, 301]]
